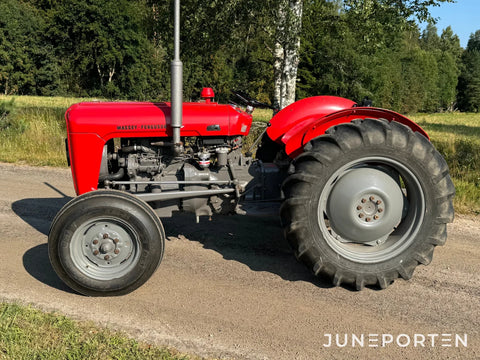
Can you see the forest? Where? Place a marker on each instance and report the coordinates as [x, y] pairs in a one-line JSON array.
[[122, 49]]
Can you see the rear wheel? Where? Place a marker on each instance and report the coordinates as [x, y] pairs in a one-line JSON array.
[[367, 202], [106, 243]]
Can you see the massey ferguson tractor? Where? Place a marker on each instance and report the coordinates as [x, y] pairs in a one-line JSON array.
[[364, 195]]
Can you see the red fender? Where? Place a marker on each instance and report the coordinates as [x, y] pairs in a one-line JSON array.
[[306, 128], [303, 111]]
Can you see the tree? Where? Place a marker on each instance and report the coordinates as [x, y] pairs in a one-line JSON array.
[[222, 46], [430, 40], [370, 49], [469, 80], [377, 17], [286, 51], [332, 61], [104, 48], [277, 50], [27, 65], [448, 69]]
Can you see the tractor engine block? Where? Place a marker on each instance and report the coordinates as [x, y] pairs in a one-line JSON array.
[[214, 170]]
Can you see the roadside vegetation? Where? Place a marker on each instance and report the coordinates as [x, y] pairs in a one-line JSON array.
[[32, 131], [457, 137], [27, 333]]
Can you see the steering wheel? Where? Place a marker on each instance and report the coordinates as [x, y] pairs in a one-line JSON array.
[[249, 101]]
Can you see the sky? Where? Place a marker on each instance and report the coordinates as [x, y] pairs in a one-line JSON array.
[[463, 16]]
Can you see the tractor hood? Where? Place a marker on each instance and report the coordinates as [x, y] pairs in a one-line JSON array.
[[143, 119]]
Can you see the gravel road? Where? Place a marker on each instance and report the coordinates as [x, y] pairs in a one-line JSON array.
[[231, 288]]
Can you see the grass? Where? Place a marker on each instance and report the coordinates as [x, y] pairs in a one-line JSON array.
[[32, 131], [457, 137], [27, 333]]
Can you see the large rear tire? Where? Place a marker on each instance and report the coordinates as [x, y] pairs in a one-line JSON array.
[[367, 202], [106, 243]]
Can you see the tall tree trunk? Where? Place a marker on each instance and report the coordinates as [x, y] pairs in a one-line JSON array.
[[111, 73], [286, 52], [100, 75]]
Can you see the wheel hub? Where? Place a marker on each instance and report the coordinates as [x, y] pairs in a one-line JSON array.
[[364, 206], [370, 207], [106, 245]]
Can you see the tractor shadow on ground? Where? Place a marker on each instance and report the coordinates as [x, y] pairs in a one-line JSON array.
[[39, 213], [257, 242], [37, 264]]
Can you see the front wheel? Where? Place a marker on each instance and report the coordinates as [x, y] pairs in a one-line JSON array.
[[106, 243], [367, 202]]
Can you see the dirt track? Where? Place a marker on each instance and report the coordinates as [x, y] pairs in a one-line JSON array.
[[231, 288]]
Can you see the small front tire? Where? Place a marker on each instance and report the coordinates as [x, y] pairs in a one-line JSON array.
[[106, 243]]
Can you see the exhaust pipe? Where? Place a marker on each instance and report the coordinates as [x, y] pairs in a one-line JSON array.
[[176, 82]]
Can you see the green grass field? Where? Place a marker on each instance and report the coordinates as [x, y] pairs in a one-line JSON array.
[[27, 333], [457, 137], [32, 131]]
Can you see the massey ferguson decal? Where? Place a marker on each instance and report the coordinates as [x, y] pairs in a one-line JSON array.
[[142, 127]]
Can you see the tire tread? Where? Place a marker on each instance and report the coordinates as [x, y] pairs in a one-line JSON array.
[[324, 151]]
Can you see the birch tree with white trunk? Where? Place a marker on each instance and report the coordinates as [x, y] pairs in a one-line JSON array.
[[288, 28]]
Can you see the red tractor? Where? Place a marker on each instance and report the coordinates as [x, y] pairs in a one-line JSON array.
[[364, 195]]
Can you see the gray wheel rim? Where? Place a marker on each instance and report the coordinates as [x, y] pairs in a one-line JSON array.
[[404, 220], [105, 248]]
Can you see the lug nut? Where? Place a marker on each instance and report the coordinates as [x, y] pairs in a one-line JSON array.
[[95, 242], [359, 207], [372, 198], [105, 236], [106, 257], [379, 202], [116, 241], [364, 200], [116, 251], [376, 217], [368, 219], [380, 210], [361, 216], [95, 252]]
